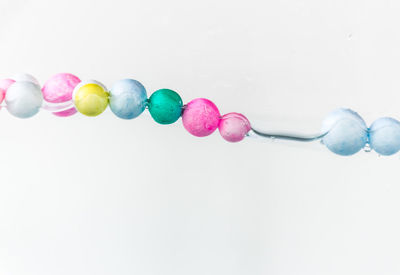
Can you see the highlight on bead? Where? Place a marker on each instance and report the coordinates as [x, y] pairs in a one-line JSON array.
[[90, 98]]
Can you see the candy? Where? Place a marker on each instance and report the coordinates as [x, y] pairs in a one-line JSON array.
[[58, 89], [90, 98], [165, 106], [233, 127], [24, 99], [128, 98], [201, 117], [384, 136], [345, 132]]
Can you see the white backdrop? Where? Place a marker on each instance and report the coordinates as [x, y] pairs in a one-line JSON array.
[[102, 196]]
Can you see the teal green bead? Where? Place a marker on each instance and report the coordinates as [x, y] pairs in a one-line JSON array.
[[165, 106]]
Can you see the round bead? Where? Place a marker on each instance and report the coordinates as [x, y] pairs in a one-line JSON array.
[[201, 117], [128, 98], [345, 132], [4, 85], [58, 89], [384, 136], [233, 127], [165, 106], [24, 99], [90, 98]]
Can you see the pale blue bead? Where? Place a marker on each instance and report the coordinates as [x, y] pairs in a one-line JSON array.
[[128, 98], [346, 132], [384, 136]]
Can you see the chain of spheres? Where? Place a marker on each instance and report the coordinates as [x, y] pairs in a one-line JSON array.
[[343, 131]]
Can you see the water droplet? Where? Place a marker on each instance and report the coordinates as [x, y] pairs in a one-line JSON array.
[[367, 148]]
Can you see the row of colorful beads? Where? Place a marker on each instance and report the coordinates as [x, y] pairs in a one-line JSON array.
[[127, 99]]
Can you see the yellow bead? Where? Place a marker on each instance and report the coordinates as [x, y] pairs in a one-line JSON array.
[[90, 98]]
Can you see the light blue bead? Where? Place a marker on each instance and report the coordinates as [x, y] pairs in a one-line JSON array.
[[346, 132], [384, 136], [128, 98]]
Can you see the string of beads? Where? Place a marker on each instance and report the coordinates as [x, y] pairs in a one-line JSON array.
[[343, 131], [65, 94], [346, 133]]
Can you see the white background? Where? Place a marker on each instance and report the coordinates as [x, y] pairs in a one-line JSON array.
[[102, 196]]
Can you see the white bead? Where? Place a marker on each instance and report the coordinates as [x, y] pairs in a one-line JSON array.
[[24, 99]]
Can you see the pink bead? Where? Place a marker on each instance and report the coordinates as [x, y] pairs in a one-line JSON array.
[[4, 85], [59, 89], [201, 117], [233, 127], [2, 95]]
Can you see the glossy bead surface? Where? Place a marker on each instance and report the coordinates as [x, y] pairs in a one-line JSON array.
[[4, 85], [90, 98], [24, 99], [345, 132], [233, 127], [128, 98], [384, 136], [58, 89], [165, 106], [201, 117]]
